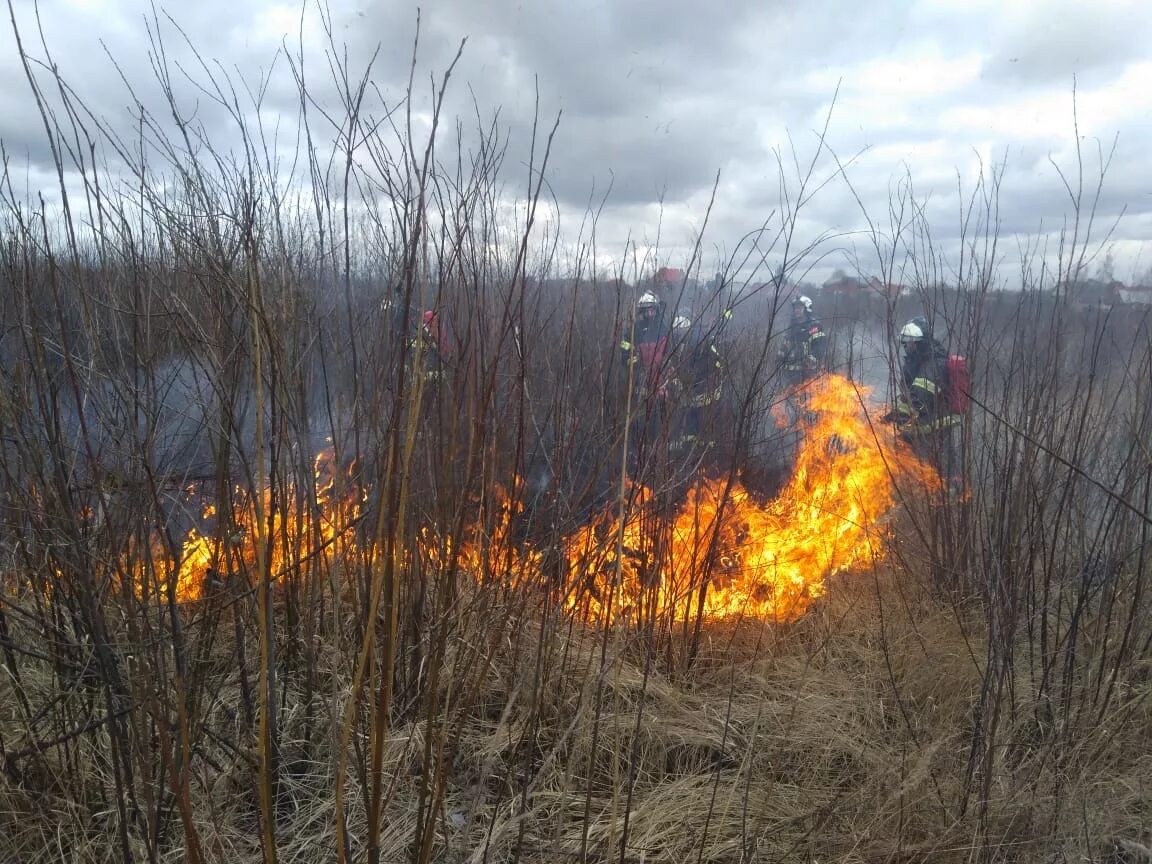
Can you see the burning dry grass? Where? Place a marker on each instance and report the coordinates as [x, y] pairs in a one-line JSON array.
[[718, 553], [707, 677], [827, 707]]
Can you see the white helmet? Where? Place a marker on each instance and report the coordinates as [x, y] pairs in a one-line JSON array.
[[914, 331], [804, 301], [911, 333], [914, 336], [681, 322], [647, 299]]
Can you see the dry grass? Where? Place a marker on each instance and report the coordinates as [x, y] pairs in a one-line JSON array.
[[981, 695], [844, 737]]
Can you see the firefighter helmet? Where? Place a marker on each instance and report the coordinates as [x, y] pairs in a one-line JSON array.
[[916, 330], [648, 300], [804, 301], [914, 335], [682, 322]]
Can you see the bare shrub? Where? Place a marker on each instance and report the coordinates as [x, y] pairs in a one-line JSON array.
[[374, 653]]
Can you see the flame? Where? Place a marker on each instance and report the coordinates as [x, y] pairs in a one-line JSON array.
[[296, 537], [489, 545], [722, 554], [717, 554]]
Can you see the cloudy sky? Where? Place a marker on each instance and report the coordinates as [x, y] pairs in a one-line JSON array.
[[658, 98]]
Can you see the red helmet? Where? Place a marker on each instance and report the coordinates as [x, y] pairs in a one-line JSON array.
[[429, 318]]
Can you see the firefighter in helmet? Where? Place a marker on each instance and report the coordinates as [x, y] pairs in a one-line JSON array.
[[646, 345], [432, 344], [644, 349], [802, 356], [697, 385], [922, 412]]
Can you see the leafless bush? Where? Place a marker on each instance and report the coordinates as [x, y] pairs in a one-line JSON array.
[[352, 676]]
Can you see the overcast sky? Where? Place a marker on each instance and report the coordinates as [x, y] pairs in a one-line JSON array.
[[658, 97]]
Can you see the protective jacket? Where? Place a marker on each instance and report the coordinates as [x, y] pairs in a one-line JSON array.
[[433, 346], [647, 344], [699, 368], [923, 405], [804, 348]]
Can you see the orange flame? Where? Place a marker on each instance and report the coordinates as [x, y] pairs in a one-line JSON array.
[[723, 555], [489, 546], [719, 554], [297, 537]]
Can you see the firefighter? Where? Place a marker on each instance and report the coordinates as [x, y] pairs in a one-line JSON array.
[[647, 344], [802, 355], [922, 414], [399, 314], [802, 358], [432, 343], [697, 384], [644, 349]]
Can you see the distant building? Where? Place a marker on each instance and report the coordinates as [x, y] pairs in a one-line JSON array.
[[888, 290], [1137, 295], [843, 285]]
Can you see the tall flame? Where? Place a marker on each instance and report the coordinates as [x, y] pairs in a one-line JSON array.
[[719, 553], [722, 554]]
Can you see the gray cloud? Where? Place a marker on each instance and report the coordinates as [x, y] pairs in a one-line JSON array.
[[1047, 43], [657, 97]]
